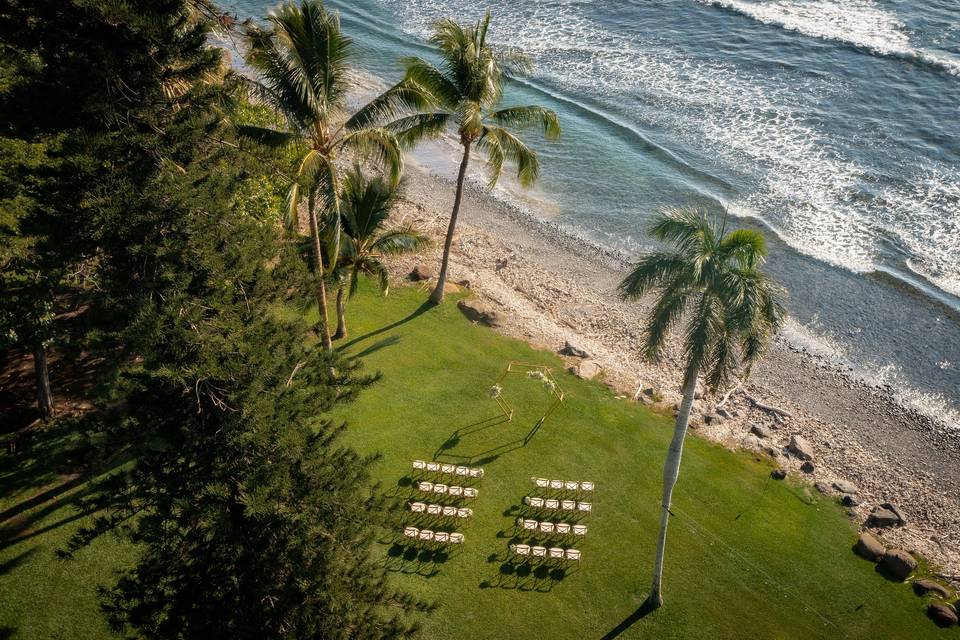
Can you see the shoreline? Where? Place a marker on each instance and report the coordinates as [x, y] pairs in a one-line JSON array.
[[550, 286]]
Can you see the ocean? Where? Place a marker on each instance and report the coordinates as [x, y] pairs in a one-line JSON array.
[[831, 125]]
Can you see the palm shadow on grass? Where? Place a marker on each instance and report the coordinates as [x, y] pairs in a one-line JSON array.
[[419, 311], [642, 612]]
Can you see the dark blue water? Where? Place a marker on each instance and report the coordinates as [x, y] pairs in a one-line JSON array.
[[831, 124]]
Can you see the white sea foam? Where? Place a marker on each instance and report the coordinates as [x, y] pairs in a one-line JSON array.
[[861, 23]]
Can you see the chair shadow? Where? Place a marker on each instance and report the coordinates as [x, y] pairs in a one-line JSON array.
[[414, 559], [642, 612], [527, 575], [419, 311]]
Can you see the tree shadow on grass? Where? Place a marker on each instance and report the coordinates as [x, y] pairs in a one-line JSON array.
[[419, 311], [642, 612]]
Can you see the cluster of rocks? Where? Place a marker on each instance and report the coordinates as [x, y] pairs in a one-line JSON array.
[[900, 564]]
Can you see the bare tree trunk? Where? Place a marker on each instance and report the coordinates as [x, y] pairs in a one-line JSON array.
[[671, 471], [44, 394], [321, 281], [341, 316], [437, 295]]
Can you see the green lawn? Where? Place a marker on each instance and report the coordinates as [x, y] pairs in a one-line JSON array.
[[747, 556]]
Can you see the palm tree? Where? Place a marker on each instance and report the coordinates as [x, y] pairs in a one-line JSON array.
[[301, 59], [365, 206], [465, 91], [732, 309]]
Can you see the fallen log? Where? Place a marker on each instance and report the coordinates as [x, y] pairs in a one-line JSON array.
[[768, 408]]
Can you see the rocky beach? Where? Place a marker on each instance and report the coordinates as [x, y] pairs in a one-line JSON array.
[[534, 281]]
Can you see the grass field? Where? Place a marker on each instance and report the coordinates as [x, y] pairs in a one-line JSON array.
[[747, 556]]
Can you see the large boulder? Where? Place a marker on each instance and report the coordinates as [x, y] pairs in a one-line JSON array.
[[886, 515], [574, 351], [800, 447], [843, 486], [869, 548], [421, 272], [943, 614], [586, 370], [899, 563], [923, 587], [479, 311]]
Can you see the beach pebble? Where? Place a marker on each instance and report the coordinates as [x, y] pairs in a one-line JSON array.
[[586, 370], [807, 467]]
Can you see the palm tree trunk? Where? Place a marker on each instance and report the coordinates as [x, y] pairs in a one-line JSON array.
[[321, 280], [437, 295], [44, 394], [671, 470], [341, 316]]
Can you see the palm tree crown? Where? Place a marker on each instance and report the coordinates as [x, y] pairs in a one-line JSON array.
[[714, 276]]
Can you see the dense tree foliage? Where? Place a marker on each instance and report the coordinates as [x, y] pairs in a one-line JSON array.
[[251, 520]]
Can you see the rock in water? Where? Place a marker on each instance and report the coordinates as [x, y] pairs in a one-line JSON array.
[[942, 614], [869, 547], [481, 312], [923, 587], [800, 447], [421, 272], [570, 350], [899, 563]]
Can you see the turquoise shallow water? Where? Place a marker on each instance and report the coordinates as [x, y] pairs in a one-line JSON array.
[[831, 124]]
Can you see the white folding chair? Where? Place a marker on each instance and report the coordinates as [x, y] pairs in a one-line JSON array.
[[450, 512], [470, 492], [586, 507], [579, 529], [546, 527], [520, 549], [434, 509], [563, 528], [433, 466], [418, 507], [476, 473], [529, 525], [419, 465], [426, 534], [538, 552], [441, 536], [556, 484], [586, 486], [463, 472], [440, 488], [411, 532], [423, 485], [573, 554], [447, 468], [556, 552], [568, 505], [534, 502], [551, 503], [464, 512], [542, 483], [455, 490], [571, 485], [456, 538]]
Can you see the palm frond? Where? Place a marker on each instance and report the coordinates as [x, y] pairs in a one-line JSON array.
[[653, 271], [430, 81], [746, 246], [411, 130], [266, 136], [513, 149], [529, 115], [400, 240], [666, 313], [706, 326], [379, 145], [403, 97], [689, 229]]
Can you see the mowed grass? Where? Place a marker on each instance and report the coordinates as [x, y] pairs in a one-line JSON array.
[[747, 556]]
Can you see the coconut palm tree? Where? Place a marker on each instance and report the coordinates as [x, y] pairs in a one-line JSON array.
[[365, 206], [301, 59], [465, 91], [712, 282]]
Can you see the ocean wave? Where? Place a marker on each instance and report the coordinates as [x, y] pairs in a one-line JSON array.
[[857, 23]]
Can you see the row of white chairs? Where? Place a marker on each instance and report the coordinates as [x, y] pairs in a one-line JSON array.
[[552, 503], [449, 469], [442, 489], [441, 510], [543, 552], [562, 528], [569, 485], [427, 535]]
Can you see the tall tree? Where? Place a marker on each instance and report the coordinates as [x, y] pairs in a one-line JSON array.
[[465, 92], [366, 205], [302, 60], [711, 281]]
